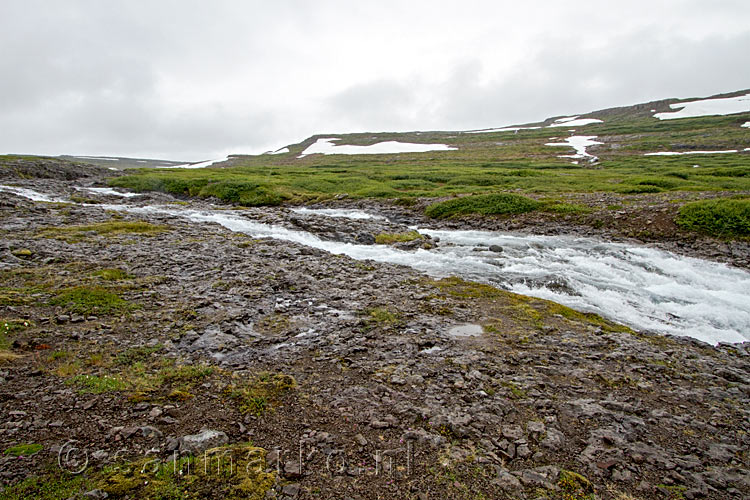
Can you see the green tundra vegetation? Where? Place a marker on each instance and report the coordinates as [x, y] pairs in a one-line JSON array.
[[484, 163], [496, 167]]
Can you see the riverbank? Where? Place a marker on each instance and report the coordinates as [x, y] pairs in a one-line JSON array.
[[136, 331]]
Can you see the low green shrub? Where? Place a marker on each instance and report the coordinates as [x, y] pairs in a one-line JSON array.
[[486, 204], [723, 218]]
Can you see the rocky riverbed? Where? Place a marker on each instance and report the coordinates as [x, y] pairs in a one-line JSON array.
[[139, 337]]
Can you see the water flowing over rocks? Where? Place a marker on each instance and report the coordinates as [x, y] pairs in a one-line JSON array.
[[536, 399]]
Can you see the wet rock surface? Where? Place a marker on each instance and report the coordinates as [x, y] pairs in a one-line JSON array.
[[386, 401]]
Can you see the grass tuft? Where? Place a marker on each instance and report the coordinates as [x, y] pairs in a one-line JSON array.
[[112, 274], [256, 395], [24, 450], [91, 300]]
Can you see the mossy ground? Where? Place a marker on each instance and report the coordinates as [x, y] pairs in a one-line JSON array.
[[259, 393], [109, 229], [508, 313], [230, 472], [54, 486], [388, 238], [23, 450]]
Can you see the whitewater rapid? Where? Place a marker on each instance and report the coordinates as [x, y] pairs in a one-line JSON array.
[[644, 288]]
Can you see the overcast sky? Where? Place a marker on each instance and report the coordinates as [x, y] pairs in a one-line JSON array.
[[190, 80]]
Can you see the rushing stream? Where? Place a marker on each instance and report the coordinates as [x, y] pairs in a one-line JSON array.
[[642, 287], [647, 289]]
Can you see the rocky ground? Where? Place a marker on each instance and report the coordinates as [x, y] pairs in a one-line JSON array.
[[133, 341]]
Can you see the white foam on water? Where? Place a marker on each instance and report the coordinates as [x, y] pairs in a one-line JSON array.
[[579, 143], [326, 146], [31, 194], [345, 213], [707, 107], [109, 191], [674, 153]]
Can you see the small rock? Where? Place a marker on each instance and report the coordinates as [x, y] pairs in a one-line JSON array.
[[98, 494], [173, 444], [147, 431], [379, 424], [512, 432], [292, 469], [204, 440], [360, 439], [496, 248], [554, 440], [365, 239], [291, 490], [506, 480], [523, 451]]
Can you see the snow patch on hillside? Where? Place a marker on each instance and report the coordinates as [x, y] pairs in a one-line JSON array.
[[202, 164], [107, 158], [568, 121], [707, 107], [505, 129], [574, 121], [326, 146], [579, 143], [675, 153]]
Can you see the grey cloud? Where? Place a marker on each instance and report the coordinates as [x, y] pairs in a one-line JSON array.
[[378, 105], [91, 77], [566, 79]]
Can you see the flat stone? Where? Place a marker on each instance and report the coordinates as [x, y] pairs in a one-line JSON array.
[[512, 432], [506, 480], [204, 440]]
